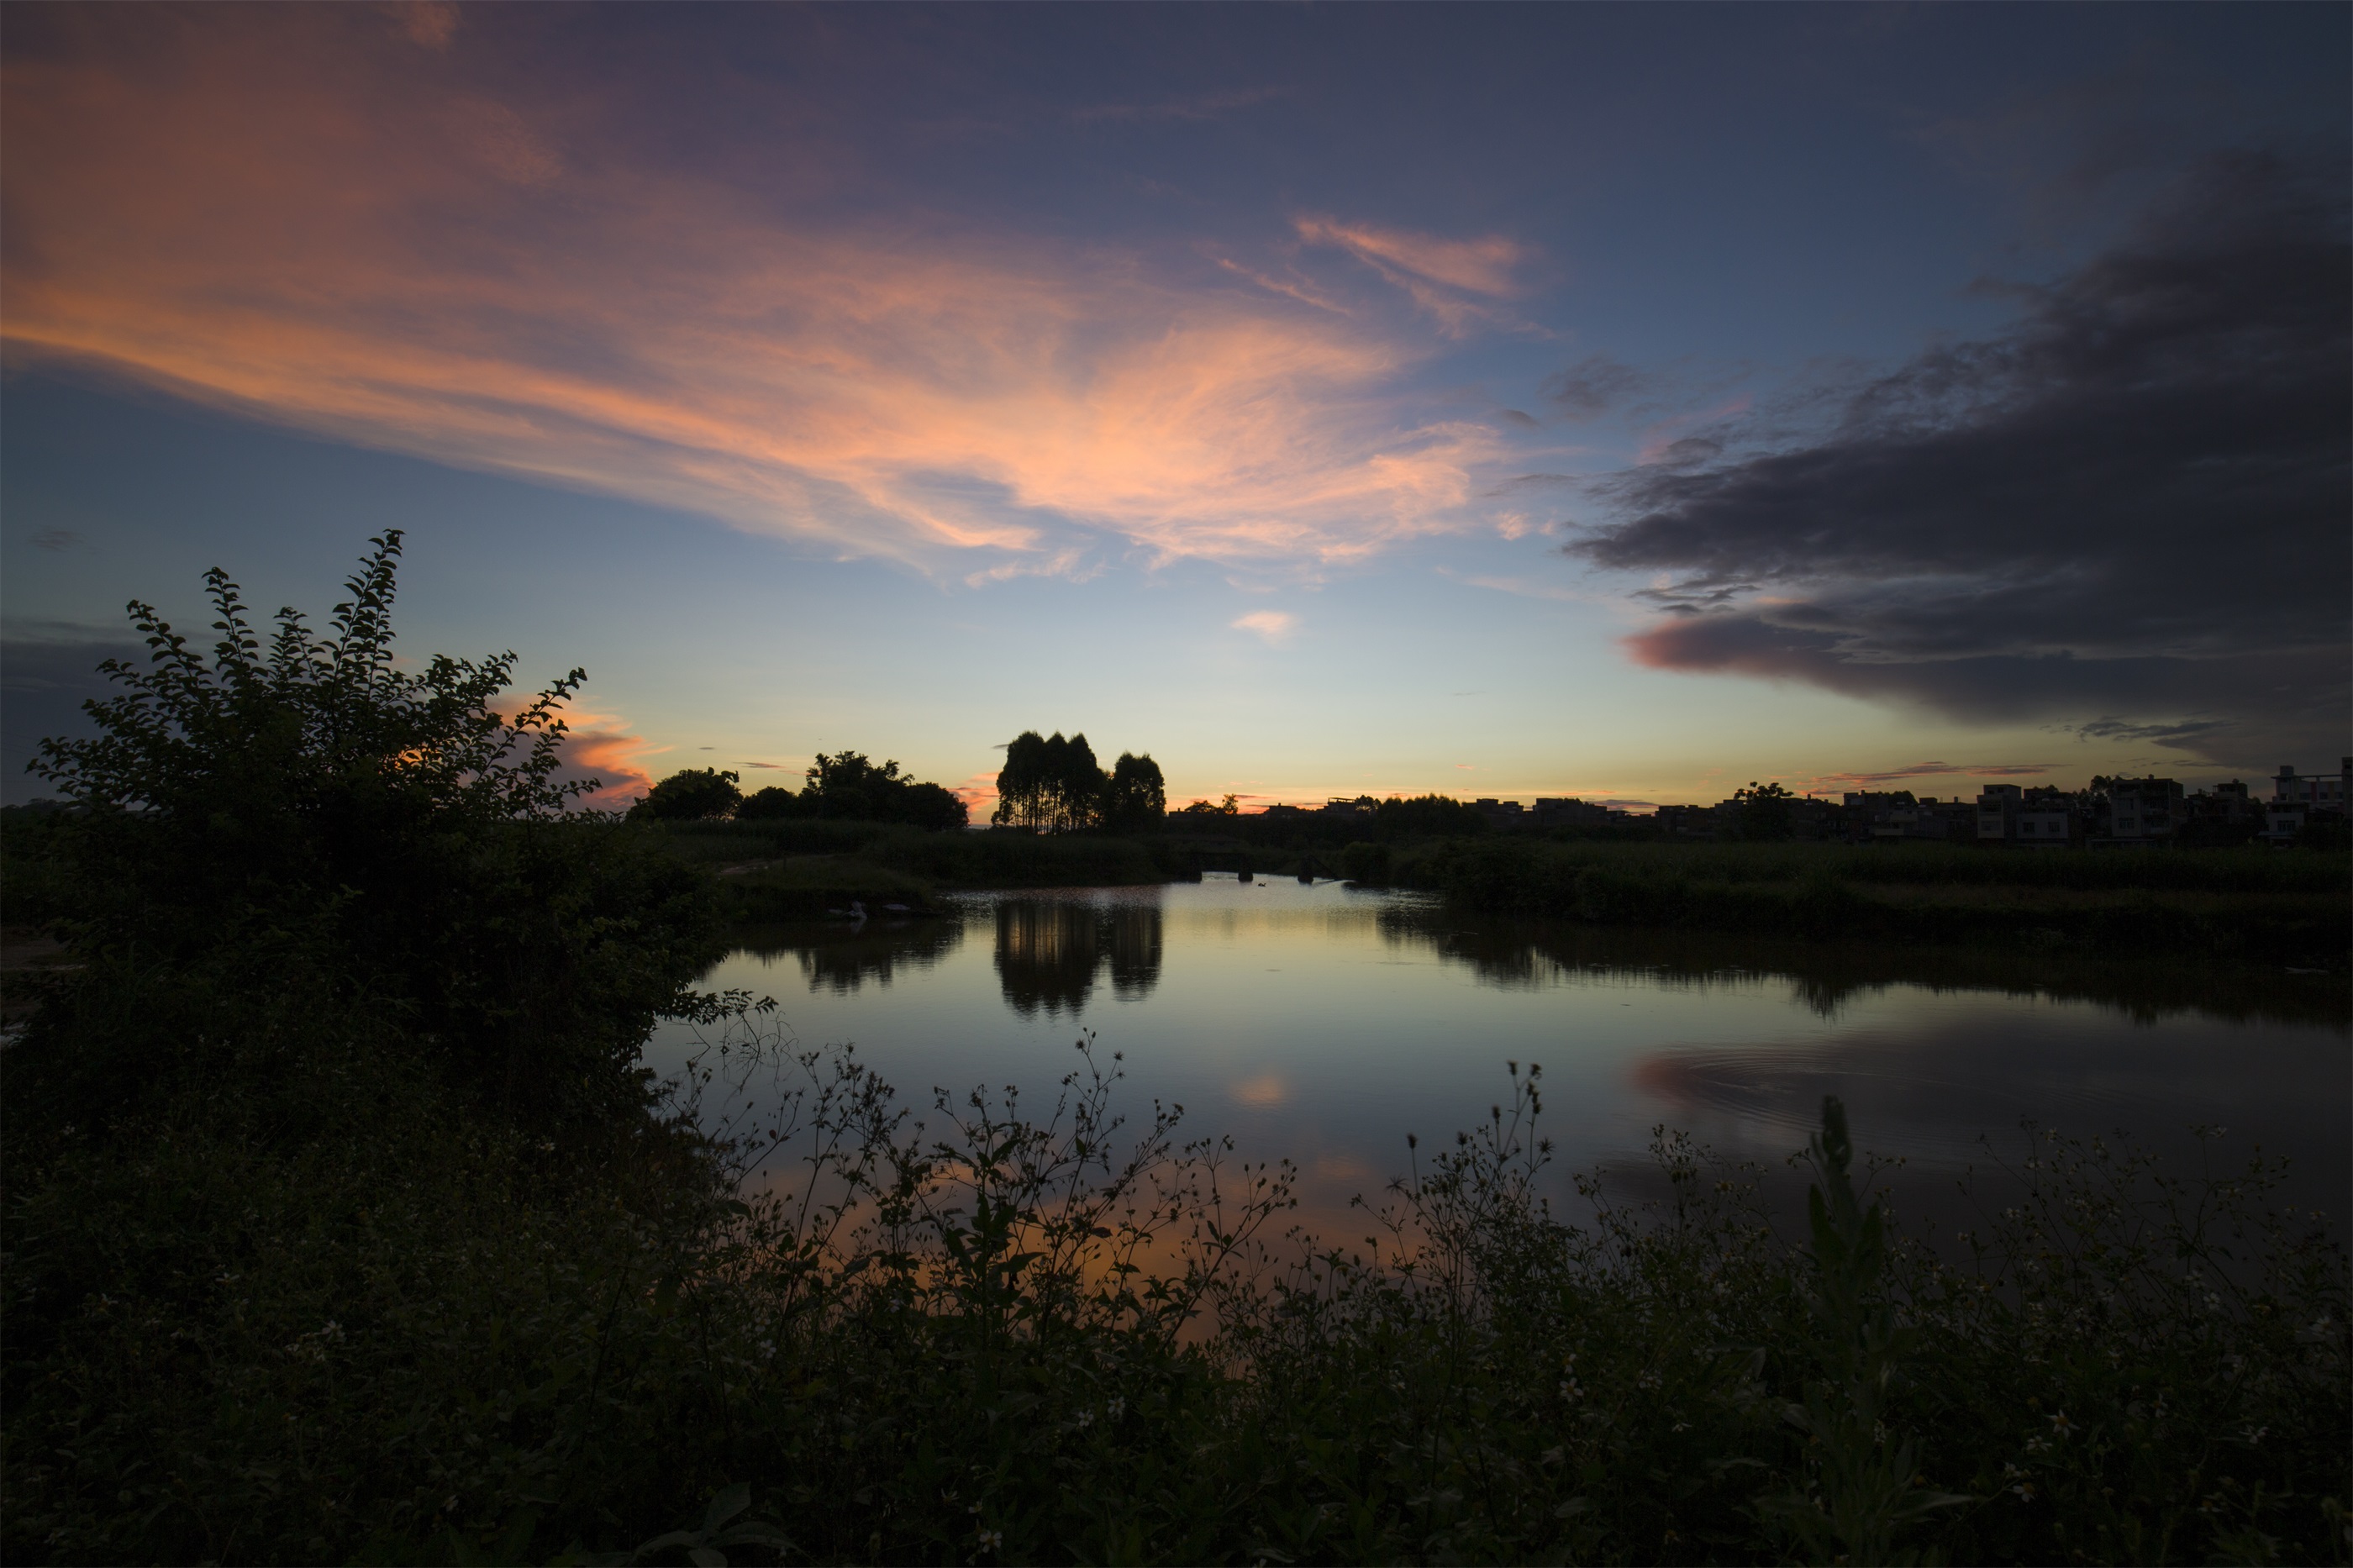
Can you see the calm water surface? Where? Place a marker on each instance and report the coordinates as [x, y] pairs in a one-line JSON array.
[[1324, 1023]]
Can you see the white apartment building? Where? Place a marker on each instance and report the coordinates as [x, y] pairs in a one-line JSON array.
[[2324, 790]]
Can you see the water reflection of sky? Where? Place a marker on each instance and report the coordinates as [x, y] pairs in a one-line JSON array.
[[1325, 1023]]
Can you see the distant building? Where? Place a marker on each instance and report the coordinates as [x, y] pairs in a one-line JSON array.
[[2283, 820], [2144, 811], [1500, 813], [1814, 819], [2043, 827], [1996, 815], [1554, 811], [1687, 821], [2327, 792]]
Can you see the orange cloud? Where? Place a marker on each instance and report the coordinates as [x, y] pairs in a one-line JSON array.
[[596, 746], [323, 223]]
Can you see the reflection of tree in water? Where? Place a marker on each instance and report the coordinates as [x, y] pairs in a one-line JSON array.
[[1049, 952], [1826, 975], [834, 958]]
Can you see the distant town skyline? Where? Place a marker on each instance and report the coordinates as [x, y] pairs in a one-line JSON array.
[[1617, 403]]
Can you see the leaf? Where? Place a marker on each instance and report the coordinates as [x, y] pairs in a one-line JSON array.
[[730, 1502]]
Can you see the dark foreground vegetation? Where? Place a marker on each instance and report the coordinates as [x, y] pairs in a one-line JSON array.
[[341, 1225]]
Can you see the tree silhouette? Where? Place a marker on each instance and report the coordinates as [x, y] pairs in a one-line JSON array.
[[697, 795], [1136, 797]]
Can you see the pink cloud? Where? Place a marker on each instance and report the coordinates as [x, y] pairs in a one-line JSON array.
[[978, 793], [1276, 626], [1482, 266], [274, 214]]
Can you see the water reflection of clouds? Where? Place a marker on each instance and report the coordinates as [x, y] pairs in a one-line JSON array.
[[1262, 1092], [1051, 951], [1935, 1087]]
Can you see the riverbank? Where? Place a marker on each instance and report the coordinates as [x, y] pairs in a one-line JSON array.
[[2291, 909], [2275, 910]]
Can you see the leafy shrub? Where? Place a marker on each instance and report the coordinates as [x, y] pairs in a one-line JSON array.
[[308, 815]]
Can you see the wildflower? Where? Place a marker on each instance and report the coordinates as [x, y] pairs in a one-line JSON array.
[[2061, 1426], [1115, 1409], [1571, 1390], [992, 1540]]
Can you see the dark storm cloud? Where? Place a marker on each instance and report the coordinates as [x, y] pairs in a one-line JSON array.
[[2133, 504], [1592, 387]]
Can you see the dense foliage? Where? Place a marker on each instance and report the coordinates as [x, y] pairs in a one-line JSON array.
[[691, 794], [1050, 784], [307, 815], [850, 786]]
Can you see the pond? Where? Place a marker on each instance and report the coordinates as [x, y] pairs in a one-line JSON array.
[[1324, 1023]]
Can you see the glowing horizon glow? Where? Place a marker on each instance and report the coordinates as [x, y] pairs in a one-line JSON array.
[[1386, 401]]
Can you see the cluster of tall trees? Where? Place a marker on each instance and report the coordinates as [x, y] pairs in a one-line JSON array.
[[848, 787], [1054, 785]]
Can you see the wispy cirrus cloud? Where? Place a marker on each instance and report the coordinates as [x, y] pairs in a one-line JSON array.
[[1459, 281], [1843, 780], [358, 231]]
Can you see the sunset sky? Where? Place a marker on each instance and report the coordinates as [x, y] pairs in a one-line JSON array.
[[1625, 402]]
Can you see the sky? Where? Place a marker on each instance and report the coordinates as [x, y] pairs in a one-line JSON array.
[[1620, 401]]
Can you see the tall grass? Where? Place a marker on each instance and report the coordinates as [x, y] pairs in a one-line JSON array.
[[354, 1323]]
